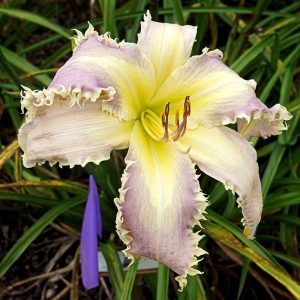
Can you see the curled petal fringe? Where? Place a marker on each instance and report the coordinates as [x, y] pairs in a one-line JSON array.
[[200, 204], [90, 32], [31, 100], [264, 122], [101, 60], [67, 126]]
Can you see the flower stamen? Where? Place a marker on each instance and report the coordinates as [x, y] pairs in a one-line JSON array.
[[180, 126], [164, 131]]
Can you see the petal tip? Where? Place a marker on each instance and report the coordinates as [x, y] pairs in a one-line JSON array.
[[253, 84], [263, 121], [214, 53], [147, 16], [80, 38]]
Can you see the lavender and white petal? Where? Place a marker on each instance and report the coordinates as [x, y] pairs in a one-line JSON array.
[[225, 155], [72, 135], [219, 96], [167, 45], [160, 203]]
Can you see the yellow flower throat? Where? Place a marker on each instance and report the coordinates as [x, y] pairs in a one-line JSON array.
[[160, 129]]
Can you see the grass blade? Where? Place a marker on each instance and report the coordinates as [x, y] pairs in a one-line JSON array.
[[10, 71], [25, 66], [108, 10], [34, 18], [167, 4], [56, 56], [178, 12], [271, 169], [129, 280], [71, 186], [194, 289], [8, 152], [282, 200], [292, 57], [241, 63], [246, 262], [232, 229], [287, 258], [131, 33], [34, 231], [162, 282], [221, 235], [115, 270]]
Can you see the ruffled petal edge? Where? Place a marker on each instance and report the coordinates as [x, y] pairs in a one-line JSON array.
[[264, 122], [31, 100], [201, 204], [104, 38]]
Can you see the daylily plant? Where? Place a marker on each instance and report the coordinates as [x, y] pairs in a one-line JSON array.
[[170, 110]]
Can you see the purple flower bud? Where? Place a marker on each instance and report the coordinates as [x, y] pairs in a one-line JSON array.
[[90, 232]]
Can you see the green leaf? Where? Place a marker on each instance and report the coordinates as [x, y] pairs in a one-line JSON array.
[[129, 280], [131, 33], [201, 22], [295, 262], [162, 283], [287, 219], [151, 282], [178, 12], [108, 10], [57, 55], [242, 280], [34, 231], [40, 44], [222, 235], [167, 4], [10, 71], [25, 66], [194, 289], [13, 111], [115, 270], [34, 18], [237, 232], [286, 85], [248, 56], [275, 52], [230, 206], [7, 152], [271, 169], [281, 200], [292, 57]]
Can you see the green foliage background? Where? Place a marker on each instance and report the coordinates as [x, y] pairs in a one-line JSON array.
[[260, 40]]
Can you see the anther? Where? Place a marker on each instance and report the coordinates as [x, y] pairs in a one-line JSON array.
[[177, 118], [187, 105], [165, 121]]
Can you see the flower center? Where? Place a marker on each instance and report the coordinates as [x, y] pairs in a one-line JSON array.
[[160, 129]]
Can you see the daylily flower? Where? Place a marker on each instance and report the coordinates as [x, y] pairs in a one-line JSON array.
[[91, 231], [170, 110]]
